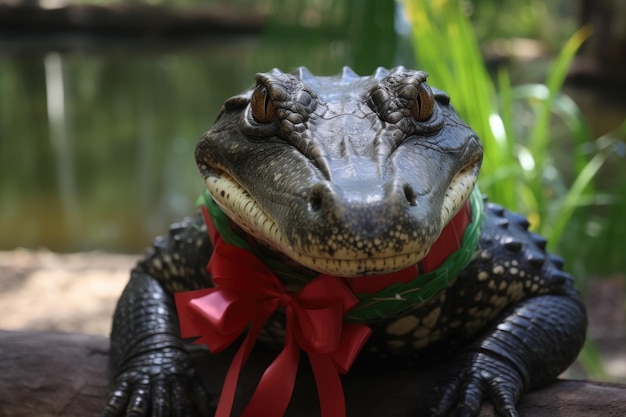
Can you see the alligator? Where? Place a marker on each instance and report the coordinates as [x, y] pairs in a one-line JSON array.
[[367, 184]]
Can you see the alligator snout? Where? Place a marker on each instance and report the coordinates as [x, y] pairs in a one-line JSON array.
[[329, 198], [362, 220]]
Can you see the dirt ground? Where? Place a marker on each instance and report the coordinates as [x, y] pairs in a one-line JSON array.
[[41, 290]]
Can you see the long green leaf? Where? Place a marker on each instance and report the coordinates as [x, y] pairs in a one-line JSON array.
[[446, 47], [556, 77]]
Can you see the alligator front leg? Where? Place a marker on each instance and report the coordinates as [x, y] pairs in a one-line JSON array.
[[536, 341], [153, 371]]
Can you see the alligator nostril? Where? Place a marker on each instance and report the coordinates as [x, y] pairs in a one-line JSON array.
[[325, 195], [315, 199], [409, 195]]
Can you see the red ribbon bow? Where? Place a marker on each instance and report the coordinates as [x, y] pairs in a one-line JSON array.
[[246, 294]]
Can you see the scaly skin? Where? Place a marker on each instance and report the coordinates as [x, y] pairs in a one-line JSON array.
[[154, 373], [510, 322]]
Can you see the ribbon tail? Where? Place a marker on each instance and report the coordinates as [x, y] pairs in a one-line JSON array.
[[353, 338], [274, 391], [329, 387], [229, 389]]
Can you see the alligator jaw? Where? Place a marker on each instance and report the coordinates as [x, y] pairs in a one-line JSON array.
[[240, 207]]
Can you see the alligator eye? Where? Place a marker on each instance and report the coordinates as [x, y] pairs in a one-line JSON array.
[[261, 105], [424, 103]]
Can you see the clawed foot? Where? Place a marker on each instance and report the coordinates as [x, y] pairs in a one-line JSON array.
[[159, 383], [480, 377]]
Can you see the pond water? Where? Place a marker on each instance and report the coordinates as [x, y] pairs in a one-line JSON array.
[[97, 138]]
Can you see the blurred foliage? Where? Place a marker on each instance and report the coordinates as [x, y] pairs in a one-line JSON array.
[[548, 20], [514, 167], [540, 158], [520, 167], [361, 31]]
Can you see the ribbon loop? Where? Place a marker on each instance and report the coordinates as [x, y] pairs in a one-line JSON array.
[[204, 313], [247, 293]]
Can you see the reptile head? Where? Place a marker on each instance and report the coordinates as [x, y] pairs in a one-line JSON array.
[[346, 175]]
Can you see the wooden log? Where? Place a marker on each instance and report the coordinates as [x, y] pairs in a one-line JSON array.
[[127, 20], [47, 374]]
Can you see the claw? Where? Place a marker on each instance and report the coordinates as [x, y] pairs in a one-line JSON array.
[[160, 406], [471, 397], [179, 408], [504, 395], [481, 376], [138, 404], [117, 401], [447, 397]]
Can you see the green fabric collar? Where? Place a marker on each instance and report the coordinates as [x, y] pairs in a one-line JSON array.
[[392, 300]]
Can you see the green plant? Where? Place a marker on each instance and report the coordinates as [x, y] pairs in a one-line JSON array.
[[519, 166], [519, 163]]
